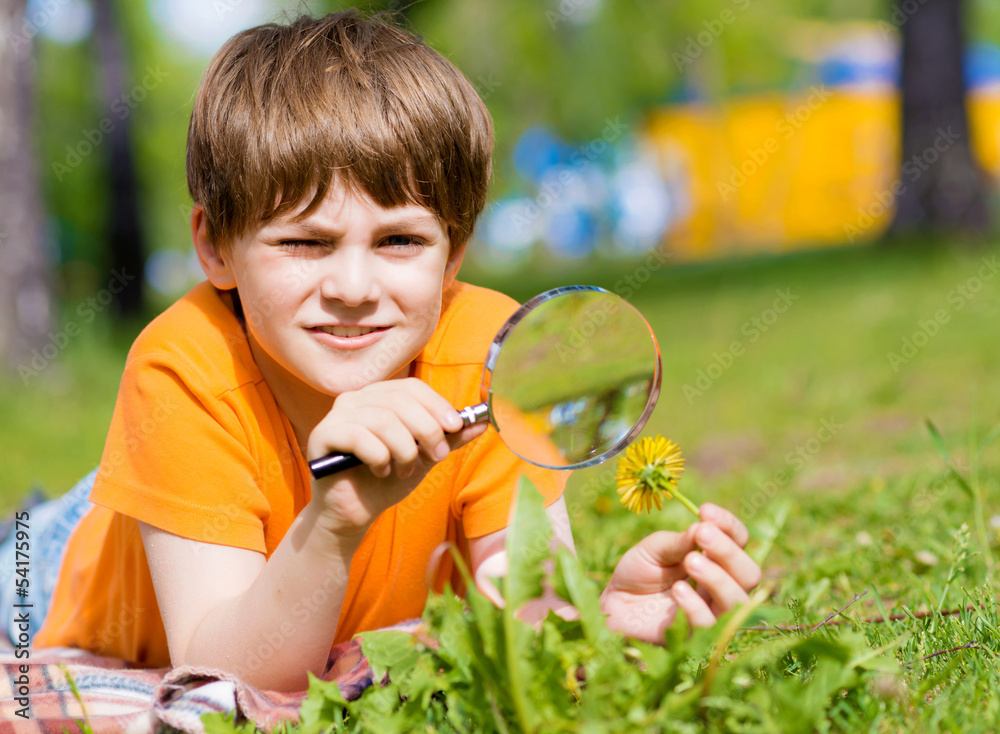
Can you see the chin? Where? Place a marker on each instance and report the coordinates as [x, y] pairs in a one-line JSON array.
[[354, 381], [340, 376]]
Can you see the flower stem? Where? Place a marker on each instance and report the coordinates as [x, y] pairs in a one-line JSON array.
[[686, 502]]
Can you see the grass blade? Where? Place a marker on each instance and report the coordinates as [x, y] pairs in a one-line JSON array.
[[992, 436], [939, 444]]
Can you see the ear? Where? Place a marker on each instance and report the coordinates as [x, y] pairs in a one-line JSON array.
[[454, 263], [216, 265]]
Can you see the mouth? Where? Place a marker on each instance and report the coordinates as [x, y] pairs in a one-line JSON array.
[[350, 331], [348, 337]]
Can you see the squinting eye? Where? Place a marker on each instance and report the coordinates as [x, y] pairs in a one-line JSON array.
[[293, 244], [403, 241]]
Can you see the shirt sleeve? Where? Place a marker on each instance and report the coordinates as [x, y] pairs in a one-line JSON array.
[[178, 458], [487, 483]]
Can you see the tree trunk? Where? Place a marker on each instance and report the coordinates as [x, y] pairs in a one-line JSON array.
[[25, 300], [943, 189], [126, 243]]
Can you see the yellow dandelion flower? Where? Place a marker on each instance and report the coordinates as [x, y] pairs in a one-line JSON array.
[[648, 473]]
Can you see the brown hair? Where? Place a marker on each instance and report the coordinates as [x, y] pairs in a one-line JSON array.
[[283, 108]]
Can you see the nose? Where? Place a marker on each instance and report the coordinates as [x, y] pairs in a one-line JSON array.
[[351, 278]]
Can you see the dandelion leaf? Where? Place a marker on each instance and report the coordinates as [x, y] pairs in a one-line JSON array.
[[528, 539]]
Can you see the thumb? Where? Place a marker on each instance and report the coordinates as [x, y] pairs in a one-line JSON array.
[[652, 564], [665, 548], [467, 434]]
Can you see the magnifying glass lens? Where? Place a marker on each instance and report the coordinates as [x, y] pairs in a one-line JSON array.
[[575, 379]]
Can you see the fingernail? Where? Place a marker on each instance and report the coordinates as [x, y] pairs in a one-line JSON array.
[[696, 561], [453, 422], [441, 451]]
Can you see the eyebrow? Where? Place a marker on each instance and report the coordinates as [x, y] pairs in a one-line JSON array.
[[404, 223], [310, 230], [409, 222]]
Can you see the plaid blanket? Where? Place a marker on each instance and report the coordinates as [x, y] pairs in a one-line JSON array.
[[114, 698]]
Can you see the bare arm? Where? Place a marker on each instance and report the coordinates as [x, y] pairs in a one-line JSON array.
[[268, 623]]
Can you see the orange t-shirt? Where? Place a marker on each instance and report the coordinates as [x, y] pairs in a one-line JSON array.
[[198, 447]]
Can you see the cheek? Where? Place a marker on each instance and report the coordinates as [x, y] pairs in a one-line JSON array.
[[423, 301], [293, 275], [419, 302], [261, 304], [429, 320], [273, 290], [415, 284]]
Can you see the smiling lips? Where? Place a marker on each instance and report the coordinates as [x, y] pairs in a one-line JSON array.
[[349, 337], [348, 330]]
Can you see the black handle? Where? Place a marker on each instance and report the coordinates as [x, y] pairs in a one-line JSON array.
[[333, 463]]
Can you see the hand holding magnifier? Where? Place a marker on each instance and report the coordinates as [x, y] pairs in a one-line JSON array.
[[570, 379]]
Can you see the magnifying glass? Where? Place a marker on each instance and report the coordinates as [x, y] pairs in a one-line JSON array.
[[570, 379]]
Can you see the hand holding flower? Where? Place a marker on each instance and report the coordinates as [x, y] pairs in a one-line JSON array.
[[653, 579]]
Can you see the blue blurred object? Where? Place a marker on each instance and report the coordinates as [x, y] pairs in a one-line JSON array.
[[982, 65], [510, 226], [640, 205], [571, 231], [536, 151], [65, 22], [839, 71], [854, 58], [172, 272], [567, 414], [607, 194]]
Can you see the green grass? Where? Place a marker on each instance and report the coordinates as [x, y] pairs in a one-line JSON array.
[[54, 424], [825, 358], [811, 413]]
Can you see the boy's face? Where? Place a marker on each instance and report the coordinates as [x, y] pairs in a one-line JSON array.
[[343, 298]]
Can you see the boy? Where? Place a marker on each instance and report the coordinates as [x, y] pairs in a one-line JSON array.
[[337, 168]]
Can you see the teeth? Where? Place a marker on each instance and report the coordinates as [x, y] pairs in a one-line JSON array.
[[348, 330]]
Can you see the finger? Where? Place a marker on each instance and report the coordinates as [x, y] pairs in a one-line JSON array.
[[391, 426], [423, 427], [724, 551], [466, 435], [697, 610], [357, 440], [664, 548], [723, 589], [442, 411], [387, 427], [727, 521], [652, 565]]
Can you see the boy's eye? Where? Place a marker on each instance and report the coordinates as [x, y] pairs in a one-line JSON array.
[[295, 244], [403, 241]]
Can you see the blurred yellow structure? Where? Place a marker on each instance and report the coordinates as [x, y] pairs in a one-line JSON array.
[[775, 173]]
